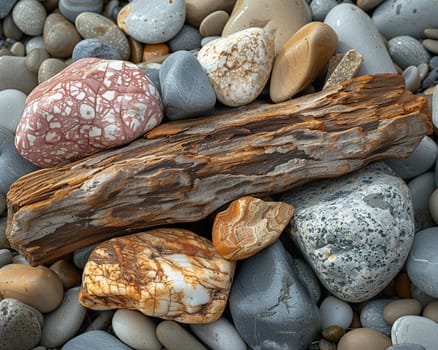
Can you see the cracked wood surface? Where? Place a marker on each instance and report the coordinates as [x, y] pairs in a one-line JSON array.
[[183, 171]]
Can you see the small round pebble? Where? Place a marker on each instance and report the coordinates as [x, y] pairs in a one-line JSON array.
[[49, 68], [10, 29], [431, 46], [371, 316], [5, 254], [421, 296], [399, 308], [95, 48], [423, 69], [102, 321], [320, 8], [36, 42], [17, 49], [407, 51], [29, 16], [12, 104], [415, 329], [214, 23], [6, 7], [35, 58], [219, 335], [70, 9], [364, 339], [62, 324], [188, 38], [19, 259], [430, 79], [431, 311], [135, 329], [95, 340], [60, 36], [333, 333], [175, 337], [402, 286], [412, 78], [421, 188], [15, 75], [67, 272], [19, 327], [335, 312], [80, 256]]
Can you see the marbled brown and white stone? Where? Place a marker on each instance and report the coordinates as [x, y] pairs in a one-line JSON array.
[[362, 228], [238, 65], [93, 104], [301, 59], [278, 17], [167, 273], [249, 225]]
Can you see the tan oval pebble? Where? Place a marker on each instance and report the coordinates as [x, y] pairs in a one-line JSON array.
[[67, 272], [368, 4], [326, 345], [431, 45], [364, 339], [136, 48], [49, 68], [403, 286], [38, 286], [214, 23], [35, 58], [60, 36], [333, 333], [238, 66], [17, 49], [399, 308], [423, 69], [249, 225], [175, 337], [197, 10], [431, 33], [431, 311], [153, 51], [92, 25], [279, 17], [301, 59]]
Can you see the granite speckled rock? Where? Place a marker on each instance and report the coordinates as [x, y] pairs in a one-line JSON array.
[[362, 230], [86, 108], [238, 65], [407, 51], [152, 21], [286, 310], [182, 276]]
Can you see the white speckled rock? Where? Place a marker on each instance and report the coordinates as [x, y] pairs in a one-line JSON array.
[[335, 312], [11, 108], [135, 329], [361, 232], [219, 335], [416, 330], [152, 21], [405, 17], [356, 30], [29, 16], [62, 324], [238, 66]]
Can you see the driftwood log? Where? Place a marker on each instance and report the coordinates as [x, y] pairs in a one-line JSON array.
[[183, 171]]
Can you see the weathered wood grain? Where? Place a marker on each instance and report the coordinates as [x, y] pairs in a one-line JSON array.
[[182, 171]]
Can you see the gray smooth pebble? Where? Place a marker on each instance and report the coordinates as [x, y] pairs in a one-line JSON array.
[[407, 51], [421, 188], [320, 8], [10, 29], [95, 48], [371, 316], [5, 257], [29, 16], [406, 346], [421, 296], [175, 337], [2, 204], [70, 9], [412, 78], [188, 38], [95, 340]]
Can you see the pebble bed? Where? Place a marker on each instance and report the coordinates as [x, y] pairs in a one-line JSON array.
[[355, 268]]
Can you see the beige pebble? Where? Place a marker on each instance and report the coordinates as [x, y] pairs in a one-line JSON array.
[[67, 272], [38, 286], [431, 33], [238, 65], [431, 311], [214, 23], [136, 48], [197, 10], [17, 49], [101, 321], [301, 59], [49, 68], [279, 17], [399, 308], [431, 45], [175, 337], [60, 36], [364, 339], [35, 58], [368, 4], [249, 225], [343, 67]]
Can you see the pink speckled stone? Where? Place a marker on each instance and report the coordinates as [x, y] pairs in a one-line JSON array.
[[91, 105]]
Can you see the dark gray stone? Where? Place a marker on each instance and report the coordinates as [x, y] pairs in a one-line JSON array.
[[431, 79], [420, 296], [421, 188], [153, 73], [270, 307], [95, 48], [6, 7], [362, 227], [80, 256], [188, 38], [12, 164], [19, 327], [308, 279], [320, 8], [407, 51], [70, 9], [95, 340], [185, 89], [407, 346], [433, 63], [423, 260], [371, 316]]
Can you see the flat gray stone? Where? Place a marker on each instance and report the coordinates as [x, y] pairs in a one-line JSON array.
[[407, 51], [421, 296], [415, 329], [320, 8], [70, 9], [95, 48], [95, 340], [188, 38], [423, 260], [185, 89], [267, 289], [362, 227], [371, 316]]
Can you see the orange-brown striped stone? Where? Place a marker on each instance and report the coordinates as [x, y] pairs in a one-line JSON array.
[[249, 225], [168, 273]]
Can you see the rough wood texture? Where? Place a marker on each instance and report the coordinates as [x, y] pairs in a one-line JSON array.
[[182, 171]]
